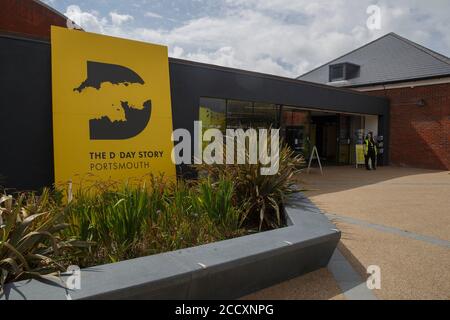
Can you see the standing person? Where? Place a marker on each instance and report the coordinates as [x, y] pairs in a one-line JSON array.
[[370, 151]]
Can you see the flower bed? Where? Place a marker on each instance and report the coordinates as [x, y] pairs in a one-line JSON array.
[[221, 270], [43, 234]]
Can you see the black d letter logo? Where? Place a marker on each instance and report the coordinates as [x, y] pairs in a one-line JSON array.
[[134, 116]]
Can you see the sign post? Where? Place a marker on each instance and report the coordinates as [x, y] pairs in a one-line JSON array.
[[314, 151]]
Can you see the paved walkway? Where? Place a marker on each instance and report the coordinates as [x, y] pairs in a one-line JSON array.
[[395, 218]]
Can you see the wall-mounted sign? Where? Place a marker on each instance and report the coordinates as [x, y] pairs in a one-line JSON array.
[[112, 115]]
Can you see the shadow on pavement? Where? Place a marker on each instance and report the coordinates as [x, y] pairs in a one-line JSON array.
[[341, 178]]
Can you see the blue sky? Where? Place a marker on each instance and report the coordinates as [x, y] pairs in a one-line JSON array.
[[282, 37]]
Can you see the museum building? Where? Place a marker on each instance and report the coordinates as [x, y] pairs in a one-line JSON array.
[[309, 114]]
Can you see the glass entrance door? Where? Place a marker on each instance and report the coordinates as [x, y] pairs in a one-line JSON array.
[[295, 128]]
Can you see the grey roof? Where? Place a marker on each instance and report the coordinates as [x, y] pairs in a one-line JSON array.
[[390, 58]]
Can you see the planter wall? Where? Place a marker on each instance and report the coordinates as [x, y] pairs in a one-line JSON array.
[[223, 270]]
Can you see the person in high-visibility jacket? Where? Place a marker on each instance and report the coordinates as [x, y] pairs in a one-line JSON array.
[[370, 151]]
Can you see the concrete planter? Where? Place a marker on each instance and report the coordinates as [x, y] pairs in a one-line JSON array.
[[222, 270]]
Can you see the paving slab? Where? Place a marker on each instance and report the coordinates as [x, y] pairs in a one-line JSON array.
[[317, 285], [396, 218], [410, 269], [415, 200]]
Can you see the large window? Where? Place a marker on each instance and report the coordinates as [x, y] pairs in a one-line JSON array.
[[265, 115], [244, 114], [239, 114], [236, 114]]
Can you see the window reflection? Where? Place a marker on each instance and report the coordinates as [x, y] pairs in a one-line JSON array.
[[239, 114], [212, 113], [295, 127], [245, 115], [236, 114], [265, 115]]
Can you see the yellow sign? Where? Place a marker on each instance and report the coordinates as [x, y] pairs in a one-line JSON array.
[[360, 159], [112, 115]]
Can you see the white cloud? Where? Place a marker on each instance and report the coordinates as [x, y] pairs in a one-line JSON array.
[[284, 37], [118, 19], [90, 21], [153, 15]]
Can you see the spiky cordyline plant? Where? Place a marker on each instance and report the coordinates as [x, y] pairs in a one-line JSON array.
[[30, 241], [260, 196]]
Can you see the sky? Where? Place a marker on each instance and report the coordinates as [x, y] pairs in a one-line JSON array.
[[281, 37]]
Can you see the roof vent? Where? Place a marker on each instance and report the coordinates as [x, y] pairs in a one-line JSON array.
[[343, 71]]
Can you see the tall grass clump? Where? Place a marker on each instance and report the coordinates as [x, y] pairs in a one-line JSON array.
[[131, 220], [216, 199]]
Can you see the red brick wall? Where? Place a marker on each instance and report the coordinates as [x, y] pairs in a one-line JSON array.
[[28, 18], [419, 136]]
